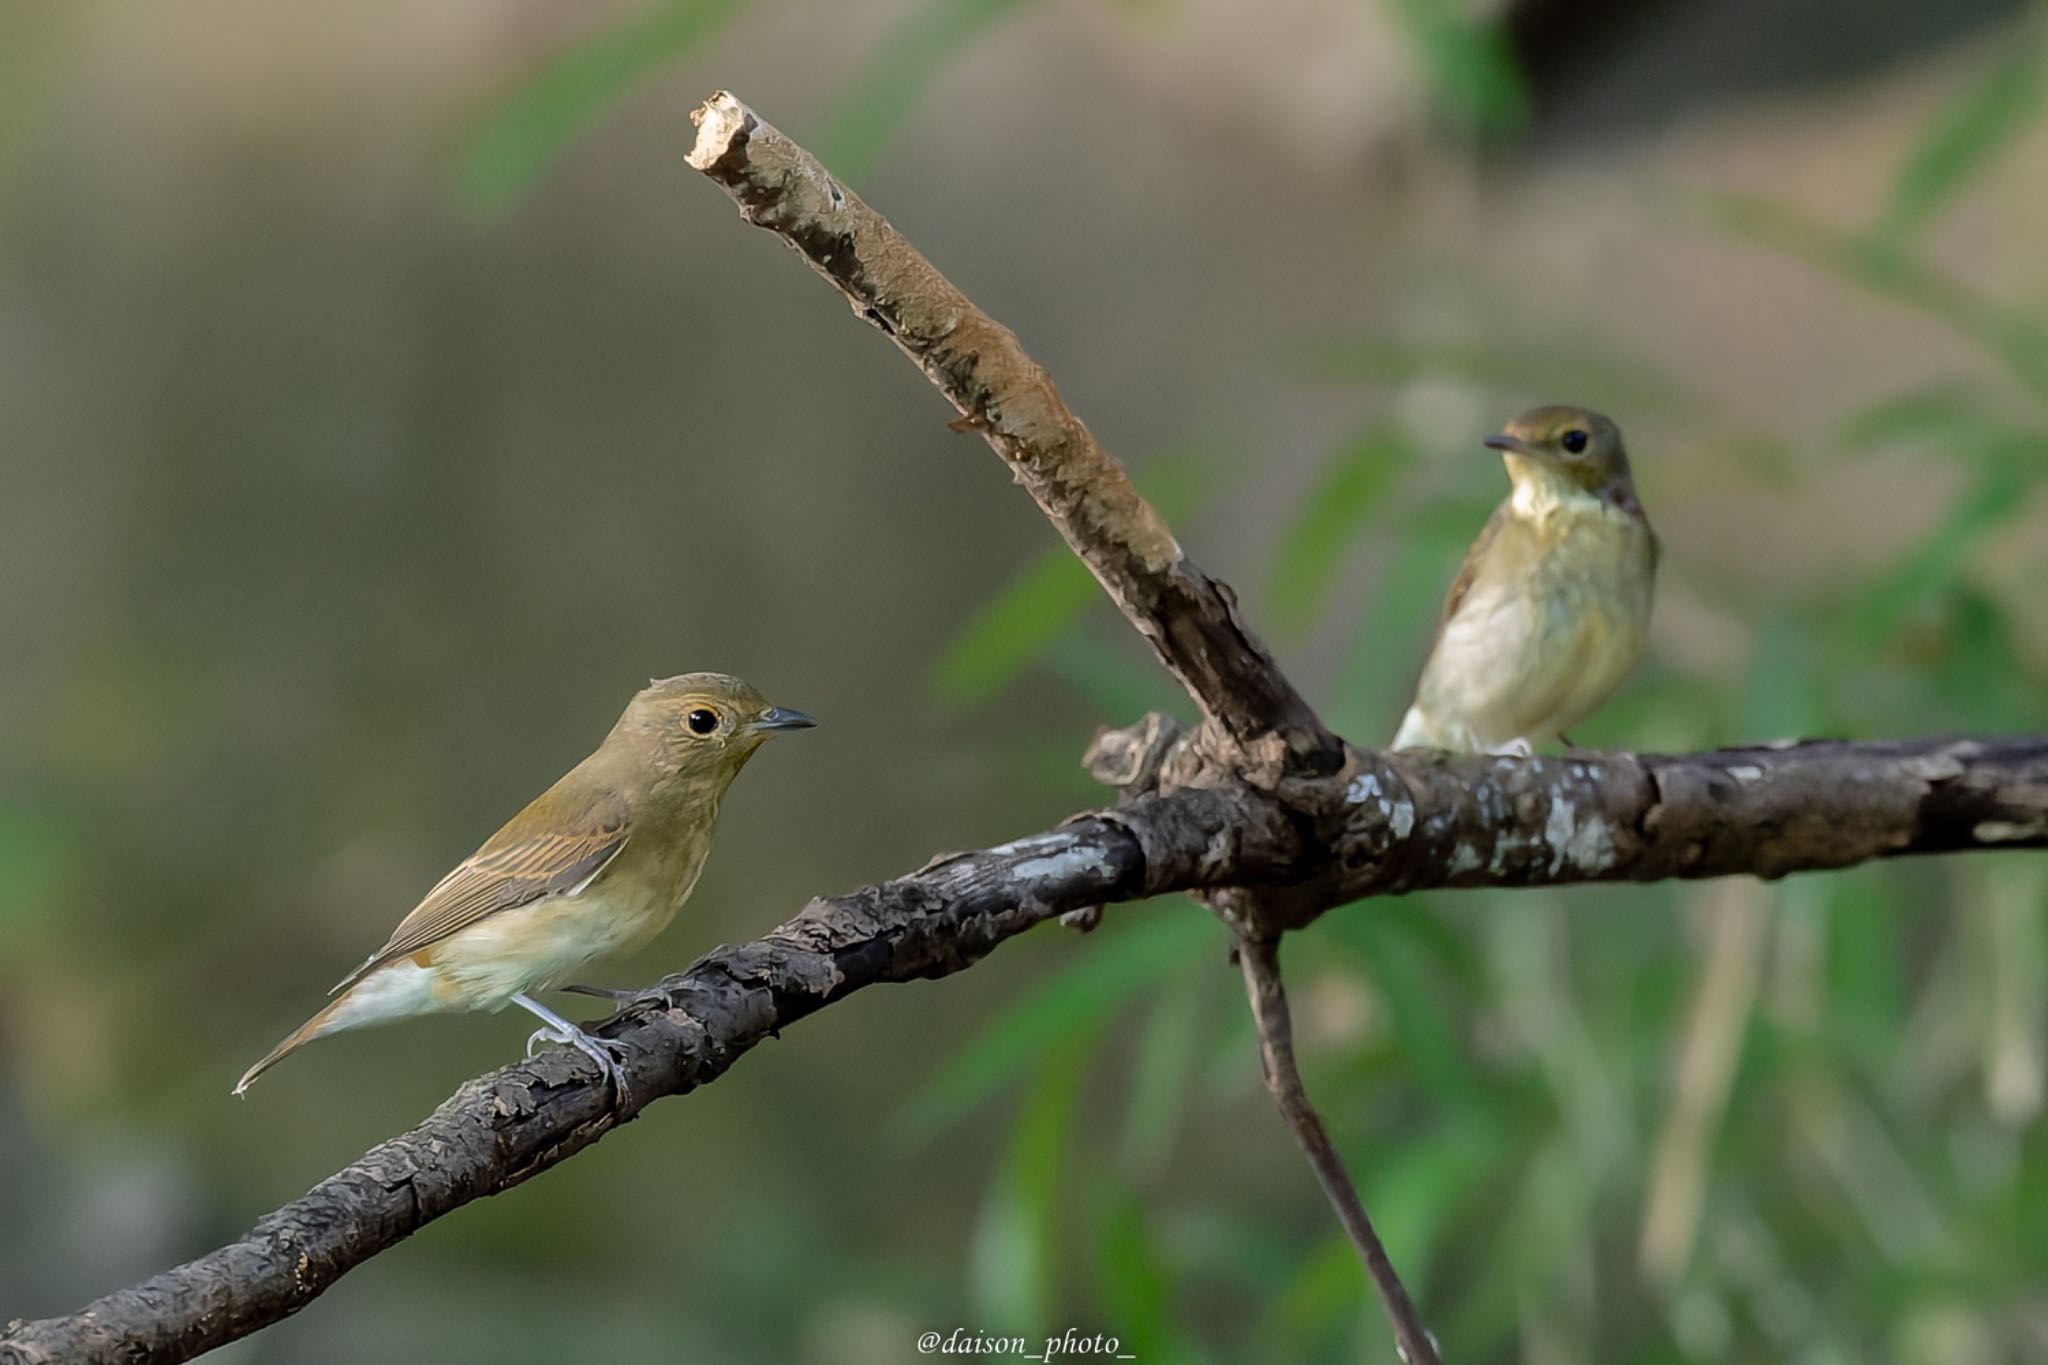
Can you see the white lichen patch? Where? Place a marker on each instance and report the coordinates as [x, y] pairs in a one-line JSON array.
[[1080, 860], [1463, 859], [1746, 772], [1399, 814], [1055, 840], [1587, 844], [2002, 831], [1940, 767]]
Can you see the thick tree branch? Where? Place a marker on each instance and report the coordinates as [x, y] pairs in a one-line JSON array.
[[1002, 393], [1398, 823]]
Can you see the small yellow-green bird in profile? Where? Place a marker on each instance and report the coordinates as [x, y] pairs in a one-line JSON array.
[[598, 864], [1552, 606]]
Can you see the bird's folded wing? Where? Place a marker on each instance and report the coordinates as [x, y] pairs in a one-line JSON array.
[[509, 871], [1468, 572]]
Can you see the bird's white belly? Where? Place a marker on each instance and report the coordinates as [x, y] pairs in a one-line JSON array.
[[1520, 662], [530, 947]]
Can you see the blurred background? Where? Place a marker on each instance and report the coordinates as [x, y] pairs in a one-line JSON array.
[[382, 401]]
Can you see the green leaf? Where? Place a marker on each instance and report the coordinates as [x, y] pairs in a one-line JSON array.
[[1243, 1253], [1349, 491], [32, 855], [1470, 68], [1547, 1229], [1134, 1286], [1417, 1193], [1780, 697], [522, 137], [1865, 962], [1069, 1007], [1946, 411], [1425, 1029], [1164, 1073], [1021, 622], [1393, 633], [1963, 141], [1014, 627], [1015, 1261], [1998, 496], [1328, 1285], [889, 86], [1982, 672], [1119, 678], [1420, 1192], [1882, 268]]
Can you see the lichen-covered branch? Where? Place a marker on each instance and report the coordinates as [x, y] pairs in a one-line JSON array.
[[1191, 619], [1383, 824], [1414, 820]]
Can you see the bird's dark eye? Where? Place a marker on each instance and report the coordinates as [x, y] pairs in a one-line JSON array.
[[1573, 441], [702, 721]]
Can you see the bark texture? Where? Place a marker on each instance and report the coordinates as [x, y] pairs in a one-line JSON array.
[[1396, 823], [1007, 397], [1261, 811]]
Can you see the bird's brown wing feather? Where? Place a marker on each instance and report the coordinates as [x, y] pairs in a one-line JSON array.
[[1469, 570], [519, 865]]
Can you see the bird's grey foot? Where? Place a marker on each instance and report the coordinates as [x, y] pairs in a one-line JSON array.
[[608, 1053], [622, 998], [610, 1056], [1514, 748], [617, 997]]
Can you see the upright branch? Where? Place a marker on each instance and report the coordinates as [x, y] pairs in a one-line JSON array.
[[1191, 619], [1260, 960], [1261, 730]]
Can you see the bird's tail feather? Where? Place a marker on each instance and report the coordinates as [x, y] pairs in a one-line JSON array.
[[395, 992], [323, 1022]]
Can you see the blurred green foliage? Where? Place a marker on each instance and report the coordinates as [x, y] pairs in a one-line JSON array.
[[529, 130], [538, 120], [1515, 1077], [888, 87], [1498, 1064], [1470, 73], [1851, 1190]]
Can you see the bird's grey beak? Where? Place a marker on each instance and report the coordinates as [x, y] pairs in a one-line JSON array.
[[1513, 445], [782, 718]]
